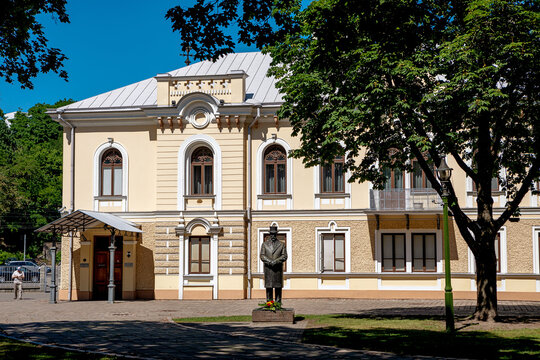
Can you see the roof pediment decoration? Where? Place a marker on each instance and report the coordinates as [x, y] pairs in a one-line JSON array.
[[230, 87], [198, 109]]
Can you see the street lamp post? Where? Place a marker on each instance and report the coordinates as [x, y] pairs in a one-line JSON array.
[[444, 173]]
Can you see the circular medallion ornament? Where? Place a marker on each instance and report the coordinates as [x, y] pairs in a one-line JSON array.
[[200, 118]]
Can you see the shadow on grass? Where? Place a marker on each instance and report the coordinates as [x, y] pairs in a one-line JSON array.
[[389, 317], [16, 350], [465, 344]]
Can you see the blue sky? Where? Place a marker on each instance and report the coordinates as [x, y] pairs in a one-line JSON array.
[[109, 44]]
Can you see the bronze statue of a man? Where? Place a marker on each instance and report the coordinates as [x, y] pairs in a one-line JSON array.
[[273, 255]]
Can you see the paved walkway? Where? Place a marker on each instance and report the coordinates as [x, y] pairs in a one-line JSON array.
[[143, 328]]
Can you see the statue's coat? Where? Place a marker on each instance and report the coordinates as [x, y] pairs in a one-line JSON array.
[[273, 274]]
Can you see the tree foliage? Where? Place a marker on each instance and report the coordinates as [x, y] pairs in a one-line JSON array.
[[24, 50], [203, 27], [389, 81], [30, 174]]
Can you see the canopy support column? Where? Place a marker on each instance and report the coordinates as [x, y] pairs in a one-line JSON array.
[[53, 272], [112, 248]]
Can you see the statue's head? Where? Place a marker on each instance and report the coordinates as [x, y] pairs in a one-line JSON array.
[[273, 230]]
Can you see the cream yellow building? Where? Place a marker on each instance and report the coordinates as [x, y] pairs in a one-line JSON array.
[[197, 159]]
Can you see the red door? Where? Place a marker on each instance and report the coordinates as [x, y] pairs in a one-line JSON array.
[[101, 268]]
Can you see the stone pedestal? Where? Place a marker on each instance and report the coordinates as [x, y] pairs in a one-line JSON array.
[[279, 316]]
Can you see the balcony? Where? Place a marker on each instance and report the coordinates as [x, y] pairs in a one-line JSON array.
[[405, 199]]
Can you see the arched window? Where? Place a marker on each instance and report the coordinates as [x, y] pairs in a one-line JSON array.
[[275, 170], [333, 176], [202, 161], [111, 173]]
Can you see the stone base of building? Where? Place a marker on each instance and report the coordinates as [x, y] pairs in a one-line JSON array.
[[304, 294], [394, 294], [279, 316]]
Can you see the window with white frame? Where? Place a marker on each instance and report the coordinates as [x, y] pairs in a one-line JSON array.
[[333, 176], [199, 255], [110, 184], [275, 170], [333, 248], [393, 252], [409, 251], [111, 173], [536, 252], [203, 179], [333, 252], [202, 161], [274, 174], [424, 252]]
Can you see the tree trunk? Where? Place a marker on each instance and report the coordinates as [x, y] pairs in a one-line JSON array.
[[486, 284]]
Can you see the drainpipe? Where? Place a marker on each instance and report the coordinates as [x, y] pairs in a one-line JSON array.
[[249, 218], [72, 196]]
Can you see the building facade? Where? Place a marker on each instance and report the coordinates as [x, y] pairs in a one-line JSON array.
[[197, 158]]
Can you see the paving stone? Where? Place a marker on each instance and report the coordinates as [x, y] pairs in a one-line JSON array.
[[143, 328]]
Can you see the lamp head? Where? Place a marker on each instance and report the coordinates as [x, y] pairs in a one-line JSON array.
[[443, 171]]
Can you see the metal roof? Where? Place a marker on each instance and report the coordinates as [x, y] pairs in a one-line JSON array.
[[82, 220], [259, 87]]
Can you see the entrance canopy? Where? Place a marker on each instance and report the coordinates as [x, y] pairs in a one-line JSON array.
[[82, 220]]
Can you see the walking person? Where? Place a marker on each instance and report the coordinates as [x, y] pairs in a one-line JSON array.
[[18, 277]]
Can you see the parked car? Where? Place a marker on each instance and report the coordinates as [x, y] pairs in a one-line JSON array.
[[30, 273], [30, 265]]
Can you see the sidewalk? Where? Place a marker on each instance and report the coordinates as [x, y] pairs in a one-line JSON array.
[[143, 328]]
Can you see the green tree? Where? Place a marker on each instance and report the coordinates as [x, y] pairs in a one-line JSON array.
[[31, 175], [396, 79], [24, 50]]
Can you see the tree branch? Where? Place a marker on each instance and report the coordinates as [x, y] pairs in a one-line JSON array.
[[463, 165], [512, 206]]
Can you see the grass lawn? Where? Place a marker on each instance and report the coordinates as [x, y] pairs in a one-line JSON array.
[[422, 336], [17, 350], [516, 339]]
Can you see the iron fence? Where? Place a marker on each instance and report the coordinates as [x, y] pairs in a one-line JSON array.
[[34, 277], [30, 275]]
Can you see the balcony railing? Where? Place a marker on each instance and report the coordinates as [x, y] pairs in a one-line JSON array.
[[405, 199]]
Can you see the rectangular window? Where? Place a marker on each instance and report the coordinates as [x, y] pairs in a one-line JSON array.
[[394, 179], [498, 251], [107, 182], [419, 179], [339, 178], [332, 176], [333, 252], [393, 252], [283, 239], [197, 180], [270, 180], [494, 184], [281, 186], [424, 252], [208, 180], [327, 179], [199, 255], [117, 181]]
